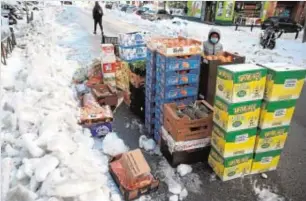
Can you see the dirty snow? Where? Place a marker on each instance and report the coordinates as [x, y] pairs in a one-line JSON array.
[[266, 194], [113, 145], [184, 169], [147, 144]]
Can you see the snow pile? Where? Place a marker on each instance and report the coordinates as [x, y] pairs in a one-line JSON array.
[[184, 169], [146, 144], [175, 186], [265, 194], [46, 155], [113, 145]]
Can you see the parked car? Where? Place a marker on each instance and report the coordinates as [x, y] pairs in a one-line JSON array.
[[283, 23], [141, 10], [124, 8], [109, 5], [131, 9], [156, 15]]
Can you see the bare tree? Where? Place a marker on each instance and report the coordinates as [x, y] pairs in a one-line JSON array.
[[304, 36]]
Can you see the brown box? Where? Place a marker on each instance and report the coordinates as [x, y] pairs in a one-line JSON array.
[[208, 75], [105, 94], [130, 170], [184, 129]]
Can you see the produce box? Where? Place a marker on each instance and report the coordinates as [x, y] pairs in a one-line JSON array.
[[284, 81], [177, 91], [265, 161], [132, 39], [99, 129], [122, 76], [105, 94], [176, 46], [132, 174], [208, 74], [231, 167], [107, 53], [186, 152], [178, 77], [278, 113], [241, 82], [236, 116], [234, 143], [91, 112], [131, 54], [188, 122], [177, 63], [270, 139]]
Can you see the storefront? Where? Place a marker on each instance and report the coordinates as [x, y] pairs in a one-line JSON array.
[[248, 12], [224, 12], [185, 8]]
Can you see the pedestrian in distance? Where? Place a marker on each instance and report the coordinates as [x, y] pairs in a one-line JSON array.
[[213, 46], [97, 14]]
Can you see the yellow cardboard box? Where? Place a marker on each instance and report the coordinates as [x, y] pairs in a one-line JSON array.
[[241, 82], [265, 161], [230, 168], [284, 81], [233, 143], [270, 139], [278, 113], [236, 116]]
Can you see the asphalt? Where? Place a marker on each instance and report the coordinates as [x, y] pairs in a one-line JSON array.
[[288, 181]]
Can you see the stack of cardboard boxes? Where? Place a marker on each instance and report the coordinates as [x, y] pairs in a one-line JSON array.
[[239, 92], [283, 88]]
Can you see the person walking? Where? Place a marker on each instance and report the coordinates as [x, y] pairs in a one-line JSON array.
[[97, 14]]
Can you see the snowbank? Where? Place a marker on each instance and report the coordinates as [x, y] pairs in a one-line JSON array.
[[47, 154]]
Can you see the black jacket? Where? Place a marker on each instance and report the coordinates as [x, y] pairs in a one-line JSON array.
[[97, 12]]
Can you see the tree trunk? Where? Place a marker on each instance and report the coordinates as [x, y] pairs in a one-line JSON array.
[[304, 36]]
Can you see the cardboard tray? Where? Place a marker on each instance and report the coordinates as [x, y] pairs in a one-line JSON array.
[[208, 75], [133, 194]]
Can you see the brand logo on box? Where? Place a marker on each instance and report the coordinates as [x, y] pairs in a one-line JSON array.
[[109, 68]]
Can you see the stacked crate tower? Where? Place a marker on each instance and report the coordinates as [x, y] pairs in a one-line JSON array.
[[283, 88], [177, 80], [239, 93]]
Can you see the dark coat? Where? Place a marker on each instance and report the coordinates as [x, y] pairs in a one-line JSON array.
[[97, 12]]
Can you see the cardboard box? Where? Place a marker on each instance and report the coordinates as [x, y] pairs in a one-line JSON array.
[[107, 53], [184, 128], [270, 139], [132, 39], [131, 54], [110, 79], [105, 94], [186, 152], [135, 164], [278, 113], [233, 143], [109, 67], [208, 75], [236, 116], [284, 81], [241, 82], [265, 161], [231, 167], [122, 76]]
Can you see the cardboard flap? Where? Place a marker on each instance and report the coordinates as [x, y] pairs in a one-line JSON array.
[[135, 164]]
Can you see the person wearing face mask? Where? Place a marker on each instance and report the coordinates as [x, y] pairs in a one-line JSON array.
[[213, 46]]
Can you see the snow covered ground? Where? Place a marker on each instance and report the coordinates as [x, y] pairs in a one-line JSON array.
[[244, 41]]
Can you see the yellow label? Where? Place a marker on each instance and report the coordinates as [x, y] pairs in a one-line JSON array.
[[243, 144], [228, 173], [220, 117], [224, 88], [267, 163], [269, 144], [290, 89], [279, 117]]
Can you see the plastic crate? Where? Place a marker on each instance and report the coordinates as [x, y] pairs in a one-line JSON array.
[[177, 78], [178, 63], [176, 92]]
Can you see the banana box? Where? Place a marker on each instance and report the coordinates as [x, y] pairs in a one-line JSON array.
[[230, 168], [284, 81], [241, 82], [278, 113], [270, 139], [233, 143], [266, 161], [236, 116]]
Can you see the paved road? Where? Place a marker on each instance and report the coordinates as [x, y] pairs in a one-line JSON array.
[[289, 181]]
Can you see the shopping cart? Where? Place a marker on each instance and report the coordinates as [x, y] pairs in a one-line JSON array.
[[111, 40]]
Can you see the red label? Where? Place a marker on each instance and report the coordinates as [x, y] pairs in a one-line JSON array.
[[109, 68], [108, 50]]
